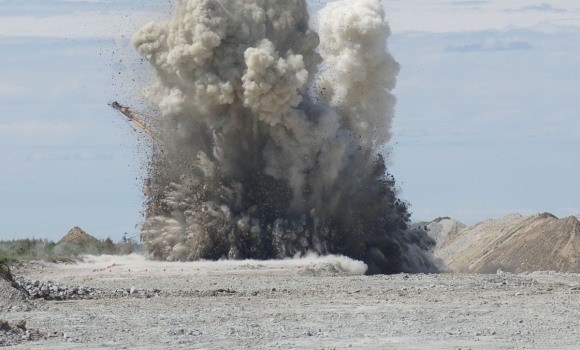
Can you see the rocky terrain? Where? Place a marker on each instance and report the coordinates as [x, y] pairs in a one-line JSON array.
[[515, 243], [130, 303], [17, 333]]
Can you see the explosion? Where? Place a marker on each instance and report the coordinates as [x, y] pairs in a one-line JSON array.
[[274, 136]]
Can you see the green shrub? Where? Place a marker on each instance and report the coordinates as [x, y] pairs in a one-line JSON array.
[[441, 218], [7, 259], [49, 248]]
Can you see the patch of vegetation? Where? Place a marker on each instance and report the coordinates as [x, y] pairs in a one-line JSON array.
[[5, 272], [6, 259], [441, 218], [47, 250]]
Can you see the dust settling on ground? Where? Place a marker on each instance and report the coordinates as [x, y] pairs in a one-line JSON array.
[[274, 135]]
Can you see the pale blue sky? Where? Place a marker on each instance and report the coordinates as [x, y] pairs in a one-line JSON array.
[[488, 119]]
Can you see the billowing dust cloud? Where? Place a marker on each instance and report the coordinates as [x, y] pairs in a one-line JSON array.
[[273, 135]]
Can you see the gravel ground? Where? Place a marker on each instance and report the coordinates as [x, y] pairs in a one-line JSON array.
[[297, 304]]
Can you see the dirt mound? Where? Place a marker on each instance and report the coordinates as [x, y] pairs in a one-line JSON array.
[[77, 236], [541, 242]]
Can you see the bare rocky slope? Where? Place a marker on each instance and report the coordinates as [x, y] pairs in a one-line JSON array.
[[442, 230], [515, 243]]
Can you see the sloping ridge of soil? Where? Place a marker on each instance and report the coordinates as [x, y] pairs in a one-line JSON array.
[[77, 236], [541, 242], [457, 252], [11, 294]]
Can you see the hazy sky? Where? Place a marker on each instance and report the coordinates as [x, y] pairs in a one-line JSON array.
[[487, 123]]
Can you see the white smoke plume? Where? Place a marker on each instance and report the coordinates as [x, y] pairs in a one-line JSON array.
[[360, 73], [264, 156]]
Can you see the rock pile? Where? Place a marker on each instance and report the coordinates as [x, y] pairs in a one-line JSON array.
[[17, 333], [55, 291]]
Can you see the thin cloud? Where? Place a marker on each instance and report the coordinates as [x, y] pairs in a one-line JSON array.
[[544, 7], [55, 157], [31, 128], [46, 157], [89, 156], [490, 45], [46, 8], [82, 25], [469, 3]]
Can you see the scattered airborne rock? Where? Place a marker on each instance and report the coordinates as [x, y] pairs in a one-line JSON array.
[[514, 243], [77, 236]]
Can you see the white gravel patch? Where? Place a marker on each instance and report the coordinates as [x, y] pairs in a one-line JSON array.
[[298, 304]]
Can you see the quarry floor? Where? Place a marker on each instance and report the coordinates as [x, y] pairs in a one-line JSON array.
[[300, 304]]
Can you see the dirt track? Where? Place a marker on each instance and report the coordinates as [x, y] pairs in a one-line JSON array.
[[301, 304]]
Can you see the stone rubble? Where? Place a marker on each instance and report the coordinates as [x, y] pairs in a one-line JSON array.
[[54, 291], [16, 333]]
